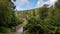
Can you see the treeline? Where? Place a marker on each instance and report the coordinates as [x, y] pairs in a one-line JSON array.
[[42, 20]]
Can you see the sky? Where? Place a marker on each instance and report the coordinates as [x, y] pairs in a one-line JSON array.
[[32, 4]]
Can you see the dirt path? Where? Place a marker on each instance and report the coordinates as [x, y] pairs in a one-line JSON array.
[[19, 30]]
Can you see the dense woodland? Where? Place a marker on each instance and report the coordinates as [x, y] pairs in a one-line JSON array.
[[8, 18], [38, 21], [42, 20]]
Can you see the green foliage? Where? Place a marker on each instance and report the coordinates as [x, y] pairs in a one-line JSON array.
[[14, 21], [5, 12], [43, 20], [5, 30], [26, 32], [8, 18], [40, 21]]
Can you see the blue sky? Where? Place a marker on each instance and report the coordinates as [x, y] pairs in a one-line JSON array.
[[45, 0], [31, 4]]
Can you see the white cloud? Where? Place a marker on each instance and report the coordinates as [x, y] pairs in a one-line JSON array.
[[40, 3], [19, 2], [22, 2], [51, 2], [19, 9]]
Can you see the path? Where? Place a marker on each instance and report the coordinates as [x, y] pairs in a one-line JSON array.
[[18, 29]]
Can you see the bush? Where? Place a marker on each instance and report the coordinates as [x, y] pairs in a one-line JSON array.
[[5, 30], [26, 32]]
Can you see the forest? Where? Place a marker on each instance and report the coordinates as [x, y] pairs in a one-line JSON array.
[[37, 21]]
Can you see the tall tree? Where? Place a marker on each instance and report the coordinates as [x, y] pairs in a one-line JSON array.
[[5, 12]]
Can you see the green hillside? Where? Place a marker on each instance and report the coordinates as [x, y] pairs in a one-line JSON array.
[[42, 20], [37, 21]]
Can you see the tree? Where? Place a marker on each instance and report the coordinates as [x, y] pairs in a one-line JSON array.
[[47, 20], [7, 16]]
